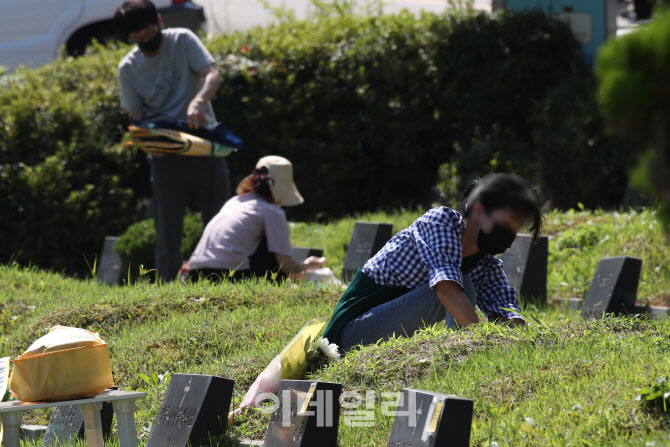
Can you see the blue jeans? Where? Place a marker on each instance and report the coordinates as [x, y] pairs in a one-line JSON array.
[[402, 316]]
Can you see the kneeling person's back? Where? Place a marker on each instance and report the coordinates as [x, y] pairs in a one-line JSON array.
[[234, 234]]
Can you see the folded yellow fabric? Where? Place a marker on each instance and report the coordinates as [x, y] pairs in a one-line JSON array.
[[174, 142], [67, 363]]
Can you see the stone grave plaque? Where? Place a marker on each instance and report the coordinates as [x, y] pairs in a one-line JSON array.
[[525, 265], [430, 419], [614, 287], [308, 415], [367, 239], [195, 407], [32, 433], [67, 424], [302, 253], [109, 264]]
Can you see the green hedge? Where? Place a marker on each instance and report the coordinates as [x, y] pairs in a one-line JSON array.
[[65, 181], [367, 108]]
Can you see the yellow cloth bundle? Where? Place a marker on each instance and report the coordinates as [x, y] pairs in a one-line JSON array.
[[168, 141], [67, 363]]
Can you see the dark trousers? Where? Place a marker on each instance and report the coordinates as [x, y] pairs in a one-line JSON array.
[[262, 264], [202, 183]]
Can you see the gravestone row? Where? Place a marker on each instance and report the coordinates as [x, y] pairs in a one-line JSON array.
[[525, 262], [307, 413], [613, 289], [195, 409]]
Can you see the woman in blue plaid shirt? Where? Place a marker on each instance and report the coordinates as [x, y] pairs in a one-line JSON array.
[[417, 279]]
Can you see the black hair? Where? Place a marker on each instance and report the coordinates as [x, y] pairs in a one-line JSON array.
[[504, 191], [261, 182], [133, 16]]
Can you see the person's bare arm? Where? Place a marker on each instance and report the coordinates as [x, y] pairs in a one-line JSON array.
[[289, 266], [453, 298], [195, 114]]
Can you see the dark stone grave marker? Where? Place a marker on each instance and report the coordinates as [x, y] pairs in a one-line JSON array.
[[302, 253], [32, 433], [195, 407], [430, 419], [525, 265], [367, 239], [308, 415], [614, 287], [109, 265], [67, 424]]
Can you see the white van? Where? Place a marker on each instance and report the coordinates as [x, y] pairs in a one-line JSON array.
[[33, 32]]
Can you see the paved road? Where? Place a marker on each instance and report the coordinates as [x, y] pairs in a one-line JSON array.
[[229, 15]]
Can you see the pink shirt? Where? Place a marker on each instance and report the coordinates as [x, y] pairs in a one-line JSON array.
[[233, 235]]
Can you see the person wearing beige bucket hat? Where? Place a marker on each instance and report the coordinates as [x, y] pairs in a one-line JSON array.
[[280, 172], [250, 235]]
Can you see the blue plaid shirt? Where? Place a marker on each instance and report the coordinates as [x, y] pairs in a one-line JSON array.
[[430, 251]]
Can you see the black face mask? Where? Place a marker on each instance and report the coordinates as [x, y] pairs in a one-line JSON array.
[[497, 241], [152, 45]]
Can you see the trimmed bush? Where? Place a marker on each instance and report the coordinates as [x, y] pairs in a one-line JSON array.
[[137, 245], [367, 109], [65, 182]]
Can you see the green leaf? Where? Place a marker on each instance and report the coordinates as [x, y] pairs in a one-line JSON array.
[[145, 378]]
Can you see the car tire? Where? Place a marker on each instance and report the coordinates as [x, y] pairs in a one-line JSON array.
[[103, 32]]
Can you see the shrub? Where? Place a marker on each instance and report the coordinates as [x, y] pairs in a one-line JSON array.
[[633, 72], [137, 245]]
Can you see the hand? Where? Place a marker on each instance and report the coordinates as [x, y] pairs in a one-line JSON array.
[[314, 263], [195, 114], [298, 277]]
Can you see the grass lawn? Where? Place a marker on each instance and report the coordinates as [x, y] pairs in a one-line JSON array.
[[561, 381]]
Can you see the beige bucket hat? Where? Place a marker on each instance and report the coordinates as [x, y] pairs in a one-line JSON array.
[[280, 171]]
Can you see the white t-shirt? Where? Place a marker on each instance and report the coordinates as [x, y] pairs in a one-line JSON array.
[[233, 235], [163, 85]]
